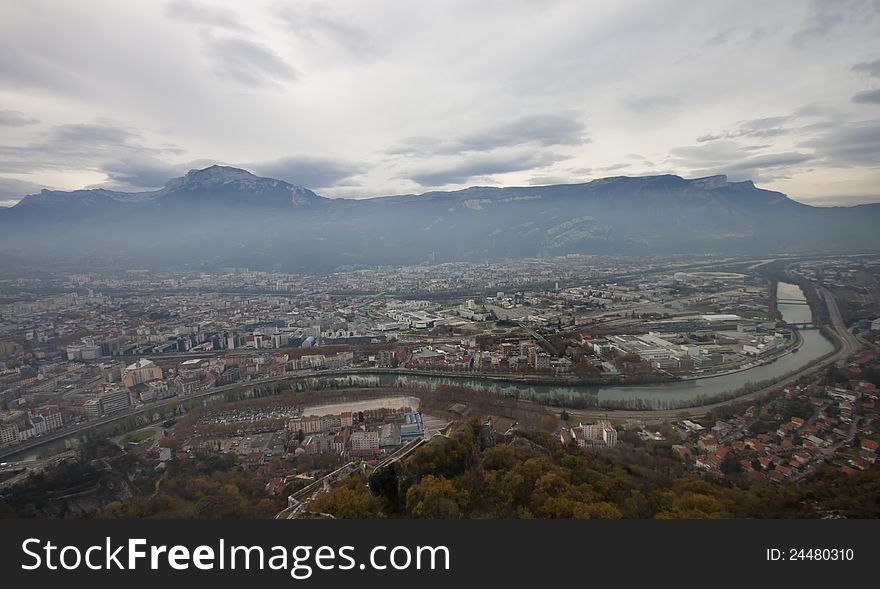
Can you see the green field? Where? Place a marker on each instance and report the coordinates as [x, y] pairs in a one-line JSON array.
[[137, 437]]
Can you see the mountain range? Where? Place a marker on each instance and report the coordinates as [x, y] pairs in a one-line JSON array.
[[221, 216]]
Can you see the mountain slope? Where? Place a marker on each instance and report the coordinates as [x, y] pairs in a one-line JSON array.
[[223, 216], [212, 186]]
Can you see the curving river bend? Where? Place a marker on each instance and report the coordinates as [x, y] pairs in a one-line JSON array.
[[814, 346]]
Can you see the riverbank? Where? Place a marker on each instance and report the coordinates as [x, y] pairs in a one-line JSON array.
[[673, 395], [799, 340]]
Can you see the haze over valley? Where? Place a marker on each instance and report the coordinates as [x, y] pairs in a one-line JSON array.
[[222, 216]]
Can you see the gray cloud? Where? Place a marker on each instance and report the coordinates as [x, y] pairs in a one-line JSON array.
[[551, 179], [846, 200], [203, 14], [13, 118], [716, 153], [613, 167], [35, 69], [652, 104], [822, 18], [466, 169], [13, 189], [104, 147], [819, 110], [718, 39], [141, 171], [248, 62], [738, 162], [545, 130], [867, 97], [760, 163], [318, 24], [450, 85], [872, 68], [309, 171], [849, 145], [68, 147], [765, 127]]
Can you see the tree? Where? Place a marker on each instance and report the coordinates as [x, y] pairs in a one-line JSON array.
[[170, 443], [346, 503], [694, 506], [731, 465], [436, 498]]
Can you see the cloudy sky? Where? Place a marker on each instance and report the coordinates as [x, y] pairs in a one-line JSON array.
[[364, 98]]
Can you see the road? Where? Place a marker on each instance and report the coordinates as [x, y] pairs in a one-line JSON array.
[[81, 427], [848, 343], [830, 451], [540, 338], [35, 466]]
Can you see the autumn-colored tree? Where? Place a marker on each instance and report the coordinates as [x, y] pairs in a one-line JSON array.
[[436, 498]]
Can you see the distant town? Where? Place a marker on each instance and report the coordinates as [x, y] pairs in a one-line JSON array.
[[762, 370]]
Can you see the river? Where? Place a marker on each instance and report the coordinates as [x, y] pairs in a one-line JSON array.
[[660, 395], [814, 346]]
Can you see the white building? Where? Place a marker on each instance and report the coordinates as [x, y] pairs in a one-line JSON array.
[[365, 440]]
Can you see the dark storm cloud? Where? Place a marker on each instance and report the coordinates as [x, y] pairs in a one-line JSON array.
[[765, 127], [849, 145], [13, 118], [468, 168], [545, 130], [867, 97], [309, 171], [872, 68], [203, 14], [247, 62]]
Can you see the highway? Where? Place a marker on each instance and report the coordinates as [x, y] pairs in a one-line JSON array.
[[135, 410], [848, 343]]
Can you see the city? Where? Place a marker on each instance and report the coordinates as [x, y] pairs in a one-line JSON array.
[[418, 293], [761, 370]]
